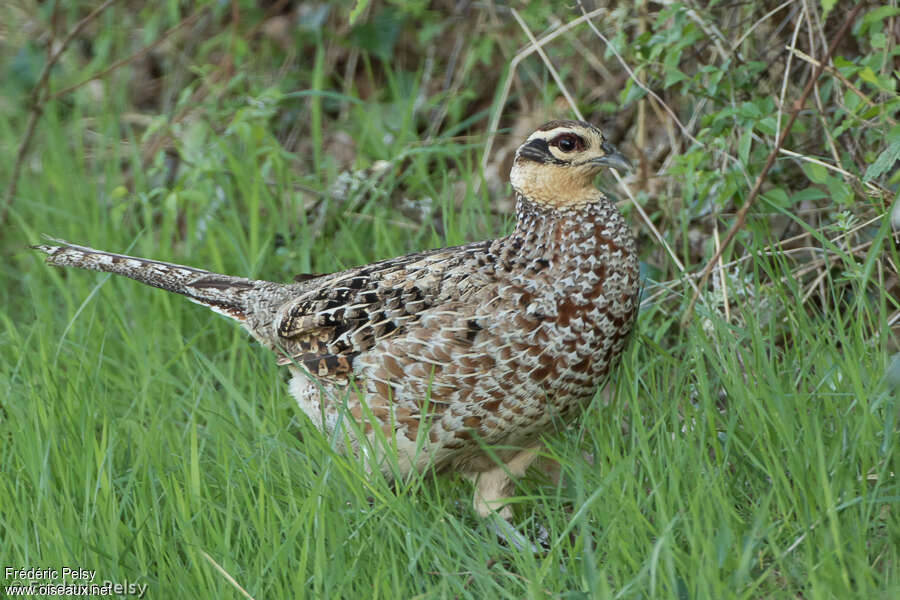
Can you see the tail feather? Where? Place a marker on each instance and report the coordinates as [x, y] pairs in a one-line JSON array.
[[224, 294]]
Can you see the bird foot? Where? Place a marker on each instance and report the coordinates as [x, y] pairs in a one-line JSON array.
[[507, 533]]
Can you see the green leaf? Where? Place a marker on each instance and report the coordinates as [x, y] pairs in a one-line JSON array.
[[842, 63], [810, 194], [777, 196], [880, 14], [840, 192], [766, 125], [827, 5], [631, 93], [883, 84], [358, 10], [378, 35], [886, 161], [815, 172], [744, 145], [868, 75], [670, 65], [749, 110], [673, 76]]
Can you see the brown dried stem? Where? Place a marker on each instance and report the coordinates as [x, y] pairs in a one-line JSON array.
[[128, 59], [38, 99], [770, 160]]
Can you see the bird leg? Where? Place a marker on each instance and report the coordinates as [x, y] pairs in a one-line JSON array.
[[492, 489]]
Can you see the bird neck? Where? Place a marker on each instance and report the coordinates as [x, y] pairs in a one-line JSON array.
[[553, 186], [545, 226], [553, 255], [596, 234]]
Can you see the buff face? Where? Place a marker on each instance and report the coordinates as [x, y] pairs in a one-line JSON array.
[[556, 165]]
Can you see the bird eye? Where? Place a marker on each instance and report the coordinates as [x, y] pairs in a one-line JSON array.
[[567, 142]]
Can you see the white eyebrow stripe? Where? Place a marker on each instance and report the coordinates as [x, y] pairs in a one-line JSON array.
[[546, 135]]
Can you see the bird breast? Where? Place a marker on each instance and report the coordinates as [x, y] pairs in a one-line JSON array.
[[577, 280]]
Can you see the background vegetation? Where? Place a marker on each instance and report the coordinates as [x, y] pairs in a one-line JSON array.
[[746, 448]]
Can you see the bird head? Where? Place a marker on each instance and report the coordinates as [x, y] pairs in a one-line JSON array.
[[556, 165]]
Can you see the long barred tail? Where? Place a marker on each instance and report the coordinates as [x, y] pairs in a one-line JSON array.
[[222, 293]]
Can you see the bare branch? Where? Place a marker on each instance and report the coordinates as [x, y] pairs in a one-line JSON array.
[[38, 99], [770, 160]]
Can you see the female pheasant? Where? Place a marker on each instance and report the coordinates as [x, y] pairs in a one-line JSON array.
[[453, 358]]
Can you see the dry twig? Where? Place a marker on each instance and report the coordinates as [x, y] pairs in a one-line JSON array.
[[226, 575], [38, 99], [770, 160], [129, 59]]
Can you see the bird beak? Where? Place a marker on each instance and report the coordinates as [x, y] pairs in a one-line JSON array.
[[613, 158]]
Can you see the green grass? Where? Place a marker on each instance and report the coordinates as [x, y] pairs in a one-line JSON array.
[[141, 435]]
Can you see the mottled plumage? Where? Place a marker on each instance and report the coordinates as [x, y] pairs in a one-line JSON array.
[[429, 357]]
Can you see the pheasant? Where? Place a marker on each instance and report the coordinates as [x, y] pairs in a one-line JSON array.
[[456, 359]]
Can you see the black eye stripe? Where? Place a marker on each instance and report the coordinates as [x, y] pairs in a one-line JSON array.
[[538, 150]]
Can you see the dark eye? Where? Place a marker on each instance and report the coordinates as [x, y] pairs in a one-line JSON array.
[[568, 142]]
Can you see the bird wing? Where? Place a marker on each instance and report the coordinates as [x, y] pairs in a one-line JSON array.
[[347, 313]]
